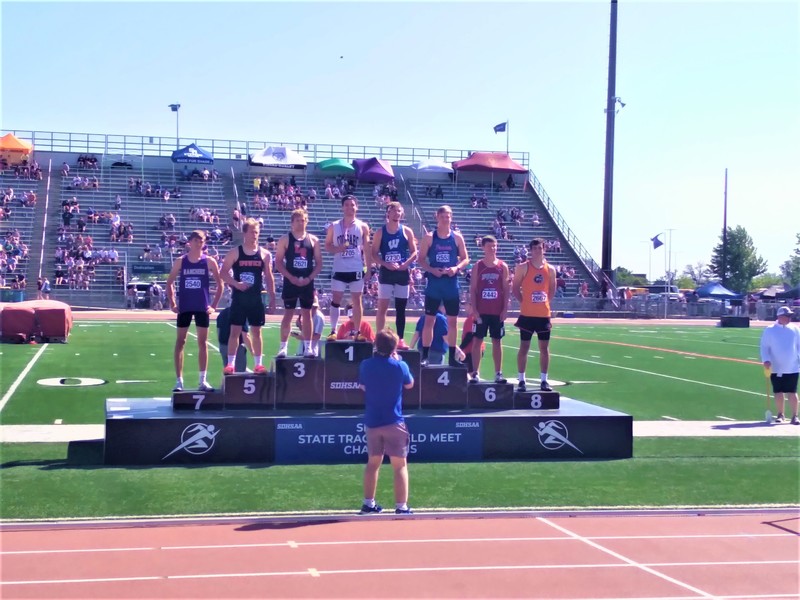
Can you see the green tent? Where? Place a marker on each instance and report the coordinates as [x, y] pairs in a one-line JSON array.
[[339, 165]]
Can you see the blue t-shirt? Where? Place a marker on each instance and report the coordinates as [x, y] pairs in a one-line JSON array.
[[439, 343], [384, 378]]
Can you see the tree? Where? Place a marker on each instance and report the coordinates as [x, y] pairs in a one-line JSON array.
[[741, 264], [699, 273], [684, 282], [623, 277], [766, 280], [790, 270]]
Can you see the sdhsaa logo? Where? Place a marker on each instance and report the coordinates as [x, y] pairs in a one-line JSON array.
[[197, 438], [344, 385], [554, 435]]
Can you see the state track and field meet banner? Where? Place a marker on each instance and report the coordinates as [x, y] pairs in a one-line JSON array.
[[343, 440]]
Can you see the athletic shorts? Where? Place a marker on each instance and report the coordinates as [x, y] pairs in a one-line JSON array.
[[349, 281], [530, 325], [491, 324], [201, 319], [451, 306], [391, 440], [785, 384], [392, 290], [247, 311], [292, 293], [400, 277]]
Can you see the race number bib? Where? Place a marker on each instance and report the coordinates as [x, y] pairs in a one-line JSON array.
[[300, 262], [443, 258], [247, 277], [192, 283], [538, 297], [349, 253], [392, 257], [489, 294]]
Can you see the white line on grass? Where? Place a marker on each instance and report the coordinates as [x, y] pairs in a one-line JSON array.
[[21, 376], [725, 418], [594, 362], [194, 335], [669, 418]]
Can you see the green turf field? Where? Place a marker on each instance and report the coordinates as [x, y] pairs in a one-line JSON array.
[[639, 370], [652, 372]]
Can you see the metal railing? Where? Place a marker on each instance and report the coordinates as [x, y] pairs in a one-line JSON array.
[[138, 145]]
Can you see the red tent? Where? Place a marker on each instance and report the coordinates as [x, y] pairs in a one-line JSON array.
[[489, 162]]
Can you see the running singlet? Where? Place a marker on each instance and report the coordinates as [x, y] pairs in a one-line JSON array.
[[299, 256], [193, 293], [249, 268], [352, 259], [443, 253], [394, 249], [490, 288], [535, 285]]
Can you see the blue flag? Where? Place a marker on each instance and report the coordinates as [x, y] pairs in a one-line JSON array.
[[500, 127], [657, 243]]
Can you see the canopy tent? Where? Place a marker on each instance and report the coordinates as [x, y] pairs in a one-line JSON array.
[[278, 157], [489, 162], [192, 154], [15, 150], [714, 289], [335, 165], [792, 293], [374, 170], [432, 165], [772, 291]]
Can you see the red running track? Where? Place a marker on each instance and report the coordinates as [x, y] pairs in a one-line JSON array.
[[752, 555]]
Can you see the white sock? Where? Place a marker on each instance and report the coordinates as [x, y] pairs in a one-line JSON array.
[[231, 360], [307, 346], [179, 381], [258, 359], [203, 376], [369, 502], [544, 376], [315, 346], [334, 318], [401, 505], [520, 376], [283, 346]]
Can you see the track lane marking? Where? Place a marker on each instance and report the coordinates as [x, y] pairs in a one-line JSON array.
[[624, 559], [21, 376]]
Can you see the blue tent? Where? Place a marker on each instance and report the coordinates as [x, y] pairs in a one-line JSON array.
[[193, 155], [714, 289]]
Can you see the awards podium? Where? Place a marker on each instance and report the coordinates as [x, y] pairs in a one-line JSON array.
[[310, 411]]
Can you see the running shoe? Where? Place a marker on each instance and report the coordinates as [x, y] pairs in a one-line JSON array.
[[795, 420], [498, 378], [331, 336], [360, 338], [545, 387], [178, 388], [260, 370], [371, 510], [205, 387], [403, 511], [401, 345], [423, 362], [779, 418], [228, 370], [521, 386], [281, 353], [473, 378]]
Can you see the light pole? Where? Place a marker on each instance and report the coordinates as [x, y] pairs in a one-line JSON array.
[[175, 108]]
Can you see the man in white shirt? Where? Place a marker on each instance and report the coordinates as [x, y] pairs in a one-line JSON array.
[[780, 353]]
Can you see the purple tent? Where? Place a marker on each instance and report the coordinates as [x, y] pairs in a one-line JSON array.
[[373, 169]]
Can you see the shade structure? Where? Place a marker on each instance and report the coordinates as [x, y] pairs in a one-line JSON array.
[[374, 170], [791, 293], [15, 150], [489, 162], [335, 165], [714, 289], [278, 156], [432, 165], [772, 291], [192, 154]]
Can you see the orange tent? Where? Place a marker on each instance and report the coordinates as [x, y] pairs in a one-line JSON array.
[[14, 150]]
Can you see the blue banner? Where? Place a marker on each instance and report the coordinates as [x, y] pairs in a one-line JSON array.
[[343, 439]]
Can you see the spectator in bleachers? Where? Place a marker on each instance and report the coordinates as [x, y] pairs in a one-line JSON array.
[[439, 192], [510, 184], [64, 169], [535, 219]]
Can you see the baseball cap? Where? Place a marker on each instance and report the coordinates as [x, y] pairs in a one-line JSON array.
[[784, 311]]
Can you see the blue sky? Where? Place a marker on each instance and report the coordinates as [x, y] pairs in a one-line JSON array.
[[707, 85]]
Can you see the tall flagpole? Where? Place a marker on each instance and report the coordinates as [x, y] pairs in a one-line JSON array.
[[725, 231], [508, 126], [611, 101]]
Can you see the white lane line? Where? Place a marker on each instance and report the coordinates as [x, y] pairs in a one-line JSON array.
[[628, 564], [21, 376], [58, 422], [194, 335], [725, 418], [296, 545], [624, 559], [601, 364], [669, 418]]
